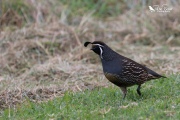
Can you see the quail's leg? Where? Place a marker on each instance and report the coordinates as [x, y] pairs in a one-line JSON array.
[[138, 90], [124, 90]]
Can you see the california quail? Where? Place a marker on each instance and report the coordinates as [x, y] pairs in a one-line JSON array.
[[121, 70]]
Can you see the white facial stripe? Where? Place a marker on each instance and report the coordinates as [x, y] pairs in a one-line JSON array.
[[98, 45], [101, 52]]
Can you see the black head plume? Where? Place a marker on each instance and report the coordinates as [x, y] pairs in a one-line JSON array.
[[86, 44]]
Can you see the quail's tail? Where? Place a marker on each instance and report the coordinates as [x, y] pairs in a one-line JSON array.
[[153, 75]]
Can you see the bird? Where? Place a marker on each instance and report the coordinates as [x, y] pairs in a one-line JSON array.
[[120, 70]]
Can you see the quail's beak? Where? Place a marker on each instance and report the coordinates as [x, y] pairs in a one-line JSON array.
[[92, 48]]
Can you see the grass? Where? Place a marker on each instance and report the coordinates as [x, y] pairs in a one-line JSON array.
[[160, 100], [24, 12], [99, 7]]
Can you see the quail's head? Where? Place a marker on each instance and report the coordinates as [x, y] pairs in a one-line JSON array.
[[97, 47]]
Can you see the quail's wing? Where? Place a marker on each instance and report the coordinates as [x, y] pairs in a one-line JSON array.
[[133, 72]]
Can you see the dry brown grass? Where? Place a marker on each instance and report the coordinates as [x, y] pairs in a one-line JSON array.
[[43, 60]]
